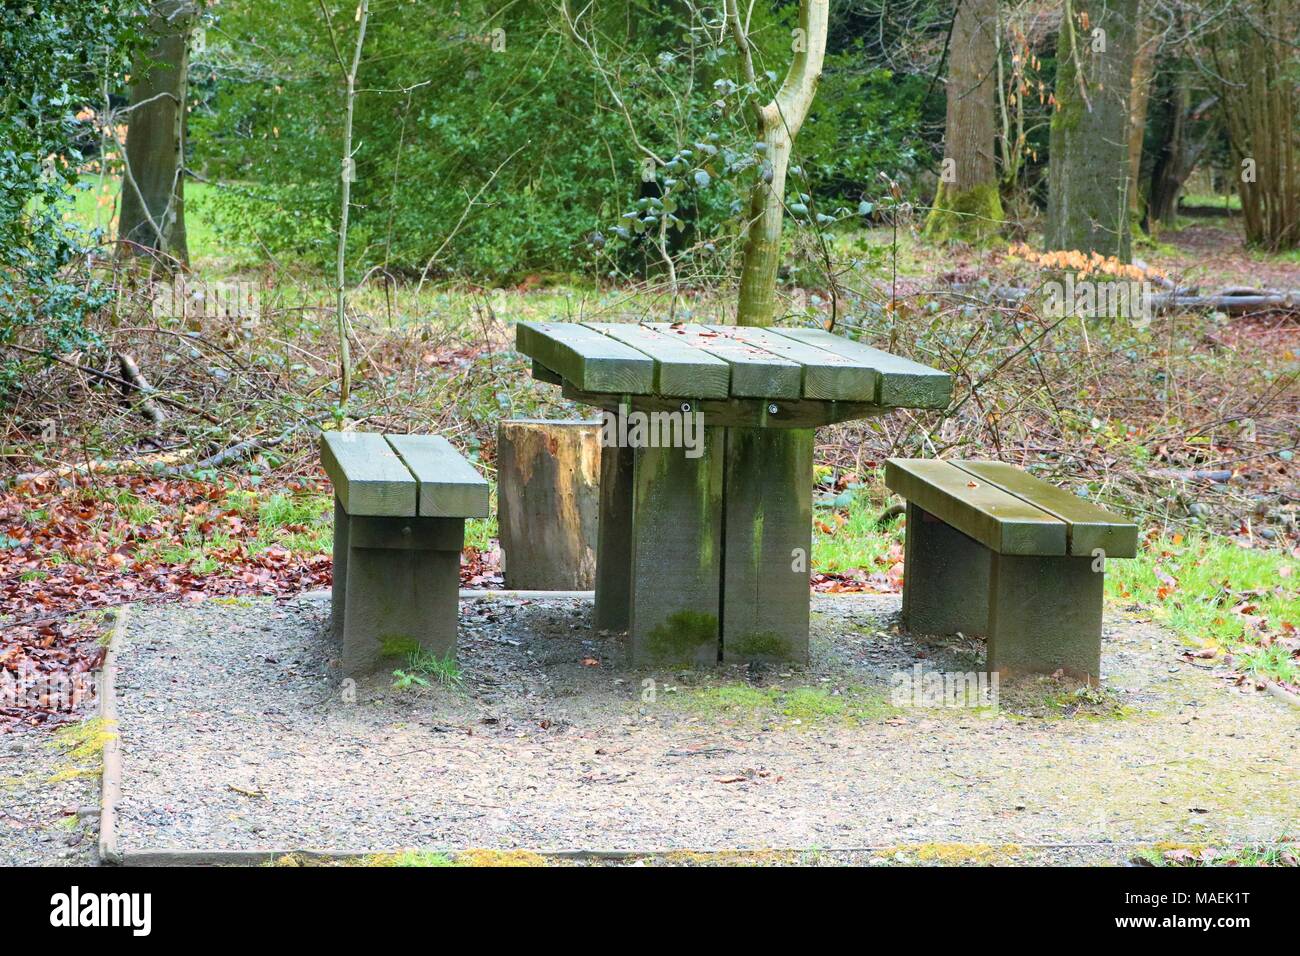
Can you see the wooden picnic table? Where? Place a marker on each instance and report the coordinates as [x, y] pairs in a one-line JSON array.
[[706, 558]]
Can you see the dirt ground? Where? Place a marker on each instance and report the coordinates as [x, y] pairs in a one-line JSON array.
[[237, 733]]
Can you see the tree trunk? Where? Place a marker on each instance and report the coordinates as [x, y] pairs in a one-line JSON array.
[[778, 124], [347, 176], [153, 181], [1171, 166], [967, 204], [1144, 60], [1257, 66], [1087, 206]]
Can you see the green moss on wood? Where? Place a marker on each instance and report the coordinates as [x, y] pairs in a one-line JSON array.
[[677, 639], [766, 645], [972, 214], [398, 646]]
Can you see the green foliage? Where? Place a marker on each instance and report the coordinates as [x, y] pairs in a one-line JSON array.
[[54, 55], [1219, 598], [495, 141], [424, 666]]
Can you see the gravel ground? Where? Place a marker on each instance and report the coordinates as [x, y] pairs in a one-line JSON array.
[[237, 733], [44, 823]]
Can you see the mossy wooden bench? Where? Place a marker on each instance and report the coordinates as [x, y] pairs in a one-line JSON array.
[[994, 552], [400, 504]]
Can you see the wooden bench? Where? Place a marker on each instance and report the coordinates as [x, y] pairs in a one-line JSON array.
[[400, 504], [994, 552]]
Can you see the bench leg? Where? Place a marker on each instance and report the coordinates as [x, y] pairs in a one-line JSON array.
[[401, 591], [767, 535], [338, 588], [614, 539], [676, 553], [945, 578], [1045, 616]]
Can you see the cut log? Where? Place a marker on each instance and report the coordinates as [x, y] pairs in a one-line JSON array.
[[548, 487], [1233, 300]]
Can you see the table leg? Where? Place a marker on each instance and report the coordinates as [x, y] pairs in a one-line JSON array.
[[676, 554], [767, 544], [614, 539]]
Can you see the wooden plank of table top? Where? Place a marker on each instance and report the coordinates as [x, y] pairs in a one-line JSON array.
[[680, 370], [1088, 527], [755, 372], [593, 362], [903, 383], [450, 487], [993, 517], [368, 477], [544, 374], [827, 375]]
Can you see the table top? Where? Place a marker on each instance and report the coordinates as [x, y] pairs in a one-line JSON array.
[[716, 362]]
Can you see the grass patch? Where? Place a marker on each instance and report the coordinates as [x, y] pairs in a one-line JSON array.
[[303, 523], [1241, 603], [96, 204], [804, 705], [480, 532], [424, 667], [1282, 853], [1212, 200], [846, 532], [1047, 697]]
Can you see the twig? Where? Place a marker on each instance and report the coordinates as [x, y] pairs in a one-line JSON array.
[[107, 377]]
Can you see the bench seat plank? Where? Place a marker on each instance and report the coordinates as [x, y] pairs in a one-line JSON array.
[[680, 371], [593, 362], [903, 383], [827, 375], [1088, 527], [755, 372], [368, 477], [993, 517], [450, 487]]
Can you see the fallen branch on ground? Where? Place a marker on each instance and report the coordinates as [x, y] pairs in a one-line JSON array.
[[116, 380], [138, 383]]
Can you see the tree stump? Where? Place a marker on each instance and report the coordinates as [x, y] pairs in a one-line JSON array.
[[548, 489]]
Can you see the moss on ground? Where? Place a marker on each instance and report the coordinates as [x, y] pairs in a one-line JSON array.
[[727, 858], [1052, 697], [951, 854], [80, 748], [499, 858], [796, 705]]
